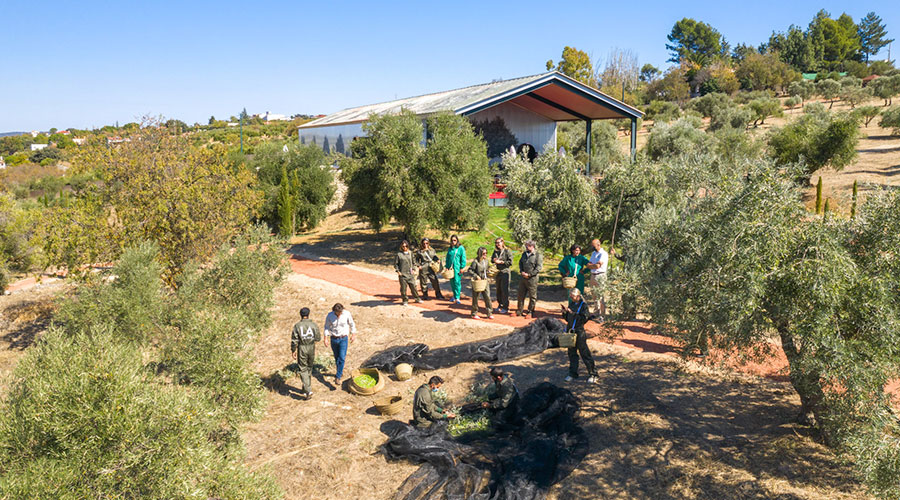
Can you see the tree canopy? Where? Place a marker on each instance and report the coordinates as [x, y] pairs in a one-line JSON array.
[[695, 42]]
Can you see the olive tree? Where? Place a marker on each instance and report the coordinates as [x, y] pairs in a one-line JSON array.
[[828, 89], [750, 263], [550, 201], [393, 174], [891, 118], [817, 140], [761, 109]]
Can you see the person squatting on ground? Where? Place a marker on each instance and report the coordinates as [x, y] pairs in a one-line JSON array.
[[576, 314], [406, 268], [425, 411], [478, 270], [425, 257], [598, 265], [340, 330], [456, 260], [502, 258], [574, 265], [303, 342], [530, 266], [504, 402]]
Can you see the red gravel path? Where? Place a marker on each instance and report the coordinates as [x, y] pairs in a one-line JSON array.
[[634, 335]]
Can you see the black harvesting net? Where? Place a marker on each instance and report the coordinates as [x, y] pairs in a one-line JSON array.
[[541, 447], [531, 339]]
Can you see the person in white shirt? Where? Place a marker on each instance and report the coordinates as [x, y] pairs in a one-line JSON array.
[[340, 330], [599, 262]]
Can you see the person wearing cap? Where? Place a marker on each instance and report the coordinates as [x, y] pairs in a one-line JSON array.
[[504, 402], [406, 268], [598, 265], [502, 258], [576, 314], [530, 266], [425, 411], [425, 256], [303, 342], [456, 260]]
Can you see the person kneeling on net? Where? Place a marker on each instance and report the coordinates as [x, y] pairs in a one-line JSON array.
[[576, 314], [504, 402], [425, 411]]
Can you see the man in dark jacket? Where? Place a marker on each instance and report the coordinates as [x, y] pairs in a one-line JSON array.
[[425, 411], [406, 268], [303, 342], [504, 403], [425, 257], [530, 266], [576, 314], [502, 258]]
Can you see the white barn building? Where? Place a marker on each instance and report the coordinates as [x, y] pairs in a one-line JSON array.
[[530, 106]]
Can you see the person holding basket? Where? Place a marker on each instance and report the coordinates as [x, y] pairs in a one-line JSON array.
[[480, 288], [573, 266], [429, 266], [502, 259], [455, 261]]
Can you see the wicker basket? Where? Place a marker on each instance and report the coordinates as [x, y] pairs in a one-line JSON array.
[[389, 405], [403, 371], [569, 282], [447, 274], [479, 286], [492, 272], [566, 339], [435, 266], [366, 391]]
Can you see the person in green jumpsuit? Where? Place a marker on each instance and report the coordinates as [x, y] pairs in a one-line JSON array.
[[303, 342], [574, 265], [456, 260]]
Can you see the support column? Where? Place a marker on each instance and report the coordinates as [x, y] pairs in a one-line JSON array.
[[633, 139], [587, 146]]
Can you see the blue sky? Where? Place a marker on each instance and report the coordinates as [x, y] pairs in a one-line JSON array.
[[87, 64]]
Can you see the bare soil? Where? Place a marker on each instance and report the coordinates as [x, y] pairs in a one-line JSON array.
[[658, 427]]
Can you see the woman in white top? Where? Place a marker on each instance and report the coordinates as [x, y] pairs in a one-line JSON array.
[[598, 264], [339, 331]]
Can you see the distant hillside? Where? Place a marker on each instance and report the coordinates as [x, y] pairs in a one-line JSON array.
[[4, 134]]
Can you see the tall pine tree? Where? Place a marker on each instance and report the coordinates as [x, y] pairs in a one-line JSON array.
[[872, 33]]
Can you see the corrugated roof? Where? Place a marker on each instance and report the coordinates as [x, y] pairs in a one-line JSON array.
[[449, 100], [531, 92]]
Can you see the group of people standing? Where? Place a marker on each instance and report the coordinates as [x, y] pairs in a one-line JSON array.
[[422, 266]]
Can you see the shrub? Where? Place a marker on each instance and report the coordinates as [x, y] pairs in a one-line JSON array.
[[733, 117], [814, 108], [891, 118], [816, 140], [746, 97], [679, 138], [855, 95], [804, 89], [662, 111], [793, 102], [709, 104], [83, 418]]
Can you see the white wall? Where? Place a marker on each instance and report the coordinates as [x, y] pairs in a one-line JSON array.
[[528, 127], [346, 132]]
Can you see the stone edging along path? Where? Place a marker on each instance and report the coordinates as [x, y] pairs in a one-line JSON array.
[[634, 335]]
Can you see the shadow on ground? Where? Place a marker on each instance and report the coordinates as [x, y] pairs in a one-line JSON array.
[[657, 432]]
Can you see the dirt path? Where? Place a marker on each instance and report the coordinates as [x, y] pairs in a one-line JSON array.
[[658, 428]]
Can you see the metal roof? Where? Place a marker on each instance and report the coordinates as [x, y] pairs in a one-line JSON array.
[[553, 95]]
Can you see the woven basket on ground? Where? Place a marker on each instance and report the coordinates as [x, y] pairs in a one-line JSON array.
[[389, 405], [366, 391], [569, 282], [403, 371], [479, 285]]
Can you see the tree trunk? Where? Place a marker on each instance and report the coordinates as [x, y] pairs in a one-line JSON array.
[[807, 384]]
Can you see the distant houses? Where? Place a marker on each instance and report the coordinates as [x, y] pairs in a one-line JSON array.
[[271, 117], [38, 147]]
